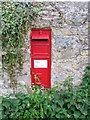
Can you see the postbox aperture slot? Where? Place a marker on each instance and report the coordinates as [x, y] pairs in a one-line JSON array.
[[40, 39]]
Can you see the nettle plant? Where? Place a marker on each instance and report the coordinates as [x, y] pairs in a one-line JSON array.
[[55, 103], [16, 22]]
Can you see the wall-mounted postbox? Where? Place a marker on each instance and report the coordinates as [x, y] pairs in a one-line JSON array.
[[41, 57]]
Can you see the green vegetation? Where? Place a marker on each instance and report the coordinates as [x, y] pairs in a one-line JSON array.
[[70, 102], [16, 22]]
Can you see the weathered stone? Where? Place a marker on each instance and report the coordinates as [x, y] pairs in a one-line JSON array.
[[9, 91], [77, 82], [24, 79], [84, 53]]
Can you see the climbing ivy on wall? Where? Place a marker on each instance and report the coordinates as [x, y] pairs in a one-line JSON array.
[[16, 22]]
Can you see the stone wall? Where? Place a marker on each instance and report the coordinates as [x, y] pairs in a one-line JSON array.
[[68, 21]]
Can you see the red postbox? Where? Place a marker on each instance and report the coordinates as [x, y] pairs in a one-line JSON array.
[[41, 57]]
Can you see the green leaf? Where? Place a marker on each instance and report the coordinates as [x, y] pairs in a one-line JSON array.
[[69, 105], [61, 102], [6, 104], [73, 108], [84, 111], [77, 114], [58, 115]]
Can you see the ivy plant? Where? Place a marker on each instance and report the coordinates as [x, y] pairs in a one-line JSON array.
[[15, 22]]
